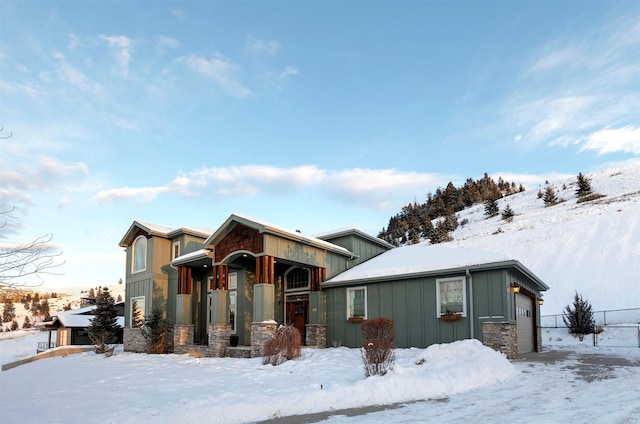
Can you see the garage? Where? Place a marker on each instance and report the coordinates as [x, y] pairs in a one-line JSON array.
[[524, 323]]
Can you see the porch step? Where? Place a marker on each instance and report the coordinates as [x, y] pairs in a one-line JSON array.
[[239, 352]]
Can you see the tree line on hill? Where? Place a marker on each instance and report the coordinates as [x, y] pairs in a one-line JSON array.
[[415, 221]]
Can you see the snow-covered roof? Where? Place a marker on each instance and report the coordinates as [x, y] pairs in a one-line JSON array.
[[265, 227], [426, 259], [159, 230], [80, 317], [193, 256], [353, 231]]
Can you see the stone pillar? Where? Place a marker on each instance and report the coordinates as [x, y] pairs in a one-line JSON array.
[[133, 341], [316, 335], [260, 333], [182, 335], [539, 339], [219, 339], [501, 336]]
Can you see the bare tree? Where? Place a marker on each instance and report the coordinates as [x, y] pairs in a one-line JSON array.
[[32, 259]]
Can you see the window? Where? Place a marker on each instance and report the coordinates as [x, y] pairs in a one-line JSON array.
[[357, 302], [298, 279], [137, 311], [452, 296], [139, 254], [175, 250], [233, 295]]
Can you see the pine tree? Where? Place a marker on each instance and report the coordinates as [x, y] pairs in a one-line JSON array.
[[27, 323], [584, 185], [14, 325], [103, 329], [9, 311], [157, 333], [580, 319], [507, 213], [550, 197], [491, 208]]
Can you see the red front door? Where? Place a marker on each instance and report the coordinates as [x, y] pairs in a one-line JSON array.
[[297, 309]]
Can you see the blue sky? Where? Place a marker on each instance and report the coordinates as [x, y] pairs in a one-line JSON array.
[[310, 115]]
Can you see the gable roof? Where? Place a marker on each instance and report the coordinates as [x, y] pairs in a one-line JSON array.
[[79, 318], [424, 260], [354, 231], [267, 228], [160, 231]]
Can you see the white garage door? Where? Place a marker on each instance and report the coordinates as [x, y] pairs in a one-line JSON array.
[[524, 322]]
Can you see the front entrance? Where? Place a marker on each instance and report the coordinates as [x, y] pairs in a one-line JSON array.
[[297, 312]]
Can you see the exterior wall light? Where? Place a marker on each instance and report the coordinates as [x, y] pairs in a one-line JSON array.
[[515, 287], [541, 301]]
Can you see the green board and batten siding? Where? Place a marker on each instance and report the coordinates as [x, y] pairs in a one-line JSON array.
[[411, 303]]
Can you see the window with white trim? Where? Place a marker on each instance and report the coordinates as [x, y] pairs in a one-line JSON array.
[[139, 255], [137, 311], [357, 302], [451, 295], [175, 250]]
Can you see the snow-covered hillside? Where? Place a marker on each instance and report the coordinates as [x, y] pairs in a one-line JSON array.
[[591, 247]]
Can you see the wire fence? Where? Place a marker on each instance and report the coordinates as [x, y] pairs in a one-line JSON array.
[[603, 318]]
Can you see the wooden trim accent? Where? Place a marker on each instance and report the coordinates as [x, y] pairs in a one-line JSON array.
[[317, 276], [265, 269], [221, 277], [185, 281]]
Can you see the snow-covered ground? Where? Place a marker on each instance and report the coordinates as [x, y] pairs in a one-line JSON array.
[[462, 380]]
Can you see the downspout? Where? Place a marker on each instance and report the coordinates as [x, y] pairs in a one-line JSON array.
[[471, 316]]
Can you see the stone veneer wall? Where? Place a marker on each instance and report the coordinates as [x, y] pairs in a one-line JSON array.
[[539, 339], [260, 333], [316, 335], [133, 341], [182, 334], [501, 336], [219, 339]]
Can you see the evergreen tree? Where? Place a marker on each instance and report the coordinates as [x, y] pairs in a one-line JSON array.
[[580, 319], [27, 323], [44, 310], [14, 325], [507, 213], [491, 208], [9, 311], [550, 197], [103, 329], [157, 333], [584, 185], [92, 293]]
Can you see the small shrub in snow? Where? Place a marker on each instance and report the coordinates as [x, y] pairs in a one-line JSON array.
[[507, 214], [579, 319], [285, 344], [378, 349], [378, 356], [157, 333]]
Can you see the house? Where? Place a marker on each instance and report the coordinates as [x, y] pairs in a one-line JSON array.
[[235, 285], [71, 326]]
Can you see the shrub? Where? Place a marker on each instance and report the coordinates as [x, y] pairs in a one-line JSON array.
[[378, 350], [378, 329], [378, 356], [157, 333], [580, 319], [285, 344]]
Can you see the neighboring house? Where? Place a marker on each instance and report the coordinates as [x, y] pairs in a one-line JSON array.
[[238, 283], [71, 326]]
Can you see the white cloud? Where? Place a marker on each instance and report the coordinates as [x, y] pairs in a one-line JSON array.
[[626, 139], [74, 76], [262, 47], [139, 194], [121, 47], [167, 42], [224, 72]]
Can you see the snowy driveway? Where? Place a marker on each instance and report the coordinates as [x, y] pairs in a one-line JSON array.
[[551, 387]]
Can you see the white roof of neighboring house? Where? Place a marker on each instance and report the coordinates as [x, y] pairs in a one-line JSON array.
[[79, 317]]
